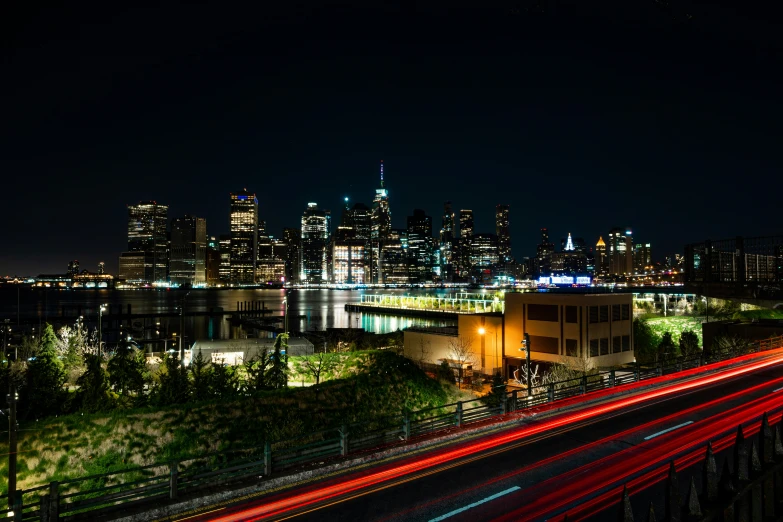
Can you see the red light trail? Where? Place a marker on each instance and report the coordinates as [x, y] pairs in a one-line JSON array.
[[437, 461]]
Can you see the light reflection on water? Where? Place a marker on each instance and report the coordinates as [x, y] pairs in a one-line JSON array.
[[315, 309]]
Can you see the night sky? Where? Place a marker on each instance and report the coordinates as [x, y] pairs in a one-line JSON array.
[[660, 116]]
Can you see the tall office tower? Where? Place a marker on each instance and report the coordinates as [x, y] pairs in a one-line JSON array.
[[393, 264], [147, 223], [225, 258], [359, 218], [465, 224], [101, 268], [484, 251], [188, 266], [601, 260], [620, 251], [642, 257], [73, 267], [544, 254], [448, 220], [244, 237], [420, 244], [213, 261], [315, 236], [446, 238], [262, 228], [381, 215], [503, 233], [292, 237]]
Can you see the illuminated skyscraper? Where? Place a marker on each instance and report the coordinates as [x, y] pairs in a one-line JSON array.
[[315, 237], [188, 265], [600, 257], [483, 250], [465, 224], [213, 261], [446, 247], [292, 237], [620, 251], [244, 237], [381, 215], [503, 233], [544, 254], [224, 269], [642, 257], [420, 243], [147, 232]]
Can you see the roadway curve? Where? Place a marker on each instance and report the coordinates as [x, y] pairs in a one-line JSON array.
[[541, 469]]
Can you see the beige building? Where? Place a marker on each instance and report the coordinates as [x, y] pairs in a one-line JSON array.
[[596, 327]]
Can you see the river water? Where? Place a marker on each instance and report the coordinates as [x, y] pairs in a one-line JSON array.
[[309, 309]]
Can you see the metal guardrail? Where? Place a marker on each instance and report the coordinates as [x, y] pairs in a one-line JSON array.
[[84, 497]]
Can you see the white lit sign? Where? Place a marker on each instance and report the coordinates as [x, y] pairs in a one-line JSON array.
[[562, 280], [583, 280]]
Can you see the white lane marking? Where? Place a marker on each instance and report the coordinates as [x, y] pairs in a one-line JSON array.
[[667, 430], [478, 503], [773, 391]]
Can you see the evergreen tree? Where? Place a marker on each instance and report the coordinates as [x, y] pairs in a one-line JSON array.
[[127, 373], [645, 342], [200, 374], [445, 373], [689, 343], [223, 381], [94, 394], [666, 348], [43, 394], [256, 369], [278, 373], [174, 386]]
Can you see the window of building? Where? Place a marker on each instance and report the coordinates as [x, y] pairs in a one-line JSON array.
[[593, 314], [615, 312], [570, 314], [626, 342], [593, 347], [617, 344], [537, 312], [605, 346], [604, 314], [571, 348], [626, 312], [541, 344]]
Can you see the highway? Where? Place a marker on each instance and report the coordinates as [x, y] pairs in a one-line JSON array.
[[542, 469]]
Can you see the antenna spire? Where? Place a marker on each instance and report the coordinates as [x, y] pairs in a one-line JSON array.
[[381, 173]]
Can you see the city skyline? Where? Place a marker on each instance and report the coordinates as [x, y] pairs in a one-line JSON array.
[[510, 113]]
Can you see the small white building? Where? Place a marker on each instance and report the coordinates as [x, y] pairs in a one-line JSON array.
[[237, 351]]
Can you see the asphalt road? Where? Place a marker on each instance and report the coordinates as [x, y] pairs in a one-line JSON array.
[[509, 477]]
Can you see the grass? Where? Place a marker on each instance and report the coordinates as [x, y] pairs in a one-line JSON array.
[[676, 325], [79, 445]]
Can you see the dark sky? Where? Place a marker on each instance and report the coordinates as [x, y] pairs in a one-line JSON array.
[[660, 116]]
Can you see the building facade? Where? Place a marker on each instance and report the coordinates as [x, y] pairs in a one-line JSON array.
[[244, 237], [188, 266], [619, 252], [381, 213], [315, 238], [503, 233], [148, 233], [420, 247], [213, 261]]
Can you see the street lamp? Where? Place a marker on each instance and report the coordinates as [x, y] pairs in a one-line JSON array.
[[285, 317], [100, 328]]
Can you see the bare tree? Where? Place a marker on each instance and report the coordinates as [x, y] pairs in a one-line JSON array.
[[317, 365], [424, 351], [568, 369], [461, 352]]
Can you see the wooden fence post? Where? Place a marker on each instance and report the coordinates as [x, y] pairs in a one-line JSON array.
[[344, 440], [54, 500], [458, 414], [17, 507], [173, 472], [45, 505], [612, 379], [514, 399], [551, 392]]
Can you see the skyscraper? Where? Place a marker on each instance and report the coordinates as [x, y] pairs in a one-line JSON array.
[[620, 251], [600, 257], [465, 224], [420, 244], [544, 254], [642, 257], [292, 237], [503, 233], [147, 232], [244, 237], [225, 259], [213, 261], [188, 266], [315, 236], [381, 214]]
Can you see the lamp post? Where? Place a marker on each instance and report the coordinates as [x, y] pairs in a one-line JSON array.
[[483, 331], [285, 317], [100, 329]]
